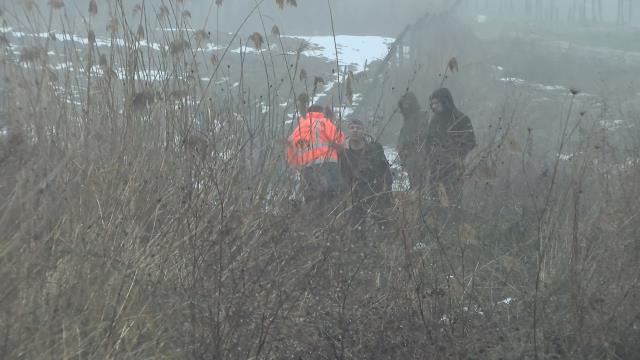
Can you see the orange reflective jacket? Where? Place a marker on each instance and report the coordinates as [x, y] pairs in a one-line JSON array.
[[313, 141]]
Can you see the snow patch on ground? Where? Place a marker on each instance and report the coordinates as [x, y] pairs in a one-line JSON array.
[[400, 177], [326, 88], [565, 157], [147, 74], [513, 80], [353, 51], [174, 29], [612, 124], [246, 49], [522, 82], [506, 301]]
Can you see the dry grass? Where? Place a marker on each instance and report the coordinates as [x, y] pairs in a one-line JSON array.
[[154, 221]]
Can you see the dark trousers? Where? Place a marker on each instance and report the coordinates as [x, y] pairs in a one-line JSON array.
[[320, 184], [368, 205], [442, 200]]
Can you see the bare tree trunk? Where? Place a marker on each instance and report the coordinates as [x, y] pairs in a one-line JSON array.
[[574, 11], [600, 10], [630, 11], [620, 17], [538, 13], [548, 11]]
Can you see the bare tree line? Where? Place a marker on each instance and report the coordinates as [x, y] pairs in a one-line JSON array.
[[553, 10]]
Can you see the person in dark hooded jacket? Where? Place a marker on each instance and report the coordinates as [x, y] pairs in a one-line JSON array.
[[448, 140], [411, 140]]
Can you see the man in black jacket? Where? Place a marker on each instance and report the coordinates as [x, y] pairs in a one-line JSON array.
[[366, 178], [449, 138]]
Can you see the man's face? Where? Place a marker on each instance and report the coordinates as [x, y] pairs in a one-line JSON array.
[[356, 131], [435, 105]]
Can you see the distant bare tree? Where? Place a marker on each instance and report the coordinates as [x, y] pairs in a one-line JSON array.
[[578, 11], [551, 10], [570, 13], [600, 9], [620, 17], [539, 9]]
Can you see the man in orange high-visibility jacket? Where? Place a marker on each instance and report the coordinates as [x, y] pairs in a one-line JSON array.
[[313, 150]]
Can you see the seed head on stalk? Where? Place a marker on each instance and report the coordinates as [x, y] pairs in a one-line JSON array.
[[93, 8], [257, 40], [56, 4], [275, 31]]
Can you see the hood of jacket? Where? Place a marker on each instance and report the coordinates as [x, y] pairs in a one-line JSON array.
[[446, 100], [408, 104]]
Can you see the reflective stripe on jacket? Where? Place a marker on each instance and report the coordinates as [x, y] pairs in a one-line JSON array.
[[313, 141]]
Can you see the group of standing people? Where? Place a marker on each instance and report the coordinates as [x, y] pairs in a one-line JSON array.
[[433, 154], [355, 169]]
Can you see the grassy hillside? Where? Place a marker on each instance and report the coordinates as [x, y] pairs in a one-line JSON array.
[[595, 35]]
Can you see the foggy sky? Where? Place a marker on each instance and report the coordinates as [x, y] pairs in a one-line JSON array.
[[354, 17]]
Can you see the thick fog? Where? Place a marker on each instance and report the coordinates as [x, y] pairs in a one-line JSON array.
[[313, 179], [355, 17], [370, 17]]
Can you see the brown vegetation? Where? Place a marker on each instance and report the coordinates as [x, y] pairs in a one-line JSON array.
[[153, 220]]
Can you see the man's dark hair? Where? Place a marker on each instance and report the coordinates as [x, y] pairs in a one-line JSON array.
[[356, 122], [408, 104], [316, 109], [443, 95]]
